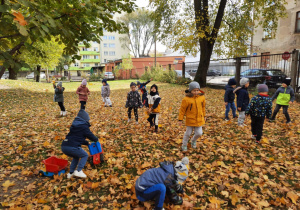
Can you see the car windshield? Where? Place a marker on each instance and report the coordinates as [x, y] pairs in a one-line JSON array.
[[275, 73]]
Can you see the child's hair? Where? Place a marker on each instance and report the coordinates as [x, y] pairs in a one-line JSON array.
[[132, 84]]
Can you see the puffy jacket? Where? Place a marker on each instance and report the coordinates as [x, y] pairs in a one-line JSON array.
[[85, 90], [105, 91], [165, 174], [194, 109], [284, 95], [58, 96], [229, 95], [133, 99], [242, 99], [79, 131], [260, 106], [153, 101]]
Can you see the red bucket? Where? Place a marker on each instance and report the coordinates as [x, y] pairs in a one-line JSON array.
[[54, 164]]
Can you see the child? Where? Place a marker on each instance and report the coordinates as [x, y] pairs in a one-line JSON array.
[[285, 96], [242, 100], [105, 92], [155, 183], [142, 88], [59, 97], [193, 106], [229, 98], [260, 107], [83, 93], [71, 146], [133, 102], [153, 104]]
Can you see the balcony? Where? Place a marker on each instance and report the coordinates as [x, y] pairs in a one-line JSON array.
[[89, 53], [90, 61]]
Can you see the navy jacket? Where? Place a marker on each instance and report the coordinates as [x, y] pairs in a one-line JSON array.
[[79, 131], [229, 95], [242, 99], [165, 174], [260, 106]]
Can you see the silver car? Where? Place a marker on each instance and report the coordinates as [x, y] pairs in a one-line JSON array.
[[31, 75], [179, 74], [109, 75], [5, 75]]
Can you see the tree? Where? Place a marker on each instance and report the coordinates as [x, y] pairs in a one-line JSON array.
[[127, 64], [198, 25], [24, 22], [140, 33]]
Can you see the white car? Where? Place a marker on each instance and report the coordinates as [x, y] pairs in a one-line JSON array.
[[5, 75], [109, 75], [179, 74], [31, 75]]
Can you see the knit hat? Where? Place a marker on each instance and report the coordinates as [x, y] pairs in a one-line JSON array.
[[138, 82], [154, 85], [244, 81], [231, 82], [84, 115], [84, 82], [287, 81], [59, 84], [182, 169], [105, 81], [262, 88], [132, 84], [194, 85]]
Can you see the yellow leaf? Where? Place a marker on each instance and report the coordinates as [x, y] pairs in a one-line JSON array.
[[292, 196], [244, 176], [41, 200], [46, 143], [234, 199], [7, 184], [263, 203], [265, 141], [20, 148], [214, 200], [146, 165], [159, 125], [258, 163], [225, 193], [95, 185]]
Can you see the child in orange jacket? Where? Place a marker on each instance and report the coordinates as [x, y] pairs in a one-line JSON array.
[[193, 106], [152, 102]]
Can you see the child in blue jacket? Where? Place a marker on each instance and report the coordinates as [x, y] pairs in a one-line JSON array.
[[156, 183], [259, 108], [71, 146], [229, 98]]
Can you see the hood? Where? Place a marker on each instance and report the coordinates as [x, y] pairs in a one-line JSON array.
[[237, 89], [78, 121], [83, 115], [167, 166], [189, 94], [228, 86]]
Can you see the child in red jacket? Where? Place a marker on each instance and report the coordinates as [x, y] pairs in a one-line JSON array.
[[83, 93]]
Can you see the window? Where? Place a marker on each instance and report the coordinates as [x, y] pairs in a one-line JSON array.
[[104, 37], [85, 56], [269, 32], [96, 49], [112, 45], [76, 64], [96, 56], [111, 37], [297, 29], [96, 64], [255, 72], [86, 65], [95, 42], [85, 49], [105, 45], [105, 52], [104, 60], [112, 53]]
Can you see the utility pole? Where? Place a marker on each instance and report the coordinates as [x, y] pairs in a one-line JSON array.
[[155, 50]]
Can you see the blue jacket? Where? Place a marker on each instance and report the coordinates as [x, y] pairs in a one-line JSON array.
[[242, 99], [260, 106], [229, 95], [165, 174], [79, 131]]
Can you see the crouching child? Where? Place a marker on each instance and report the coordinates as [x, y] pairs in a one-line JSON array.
[[156, 183]]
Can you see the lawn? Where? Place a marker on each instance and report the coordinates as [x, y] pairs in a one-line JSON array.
[[227, 170]]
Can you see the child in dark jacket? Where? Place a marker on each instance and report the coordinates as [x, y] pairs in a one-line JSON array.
[[229, 98], [242, 100], [59, 97], [71, 146], [142, 88], [259, 108], [153, 105], [155, 183], [133, 102], [285, 96]]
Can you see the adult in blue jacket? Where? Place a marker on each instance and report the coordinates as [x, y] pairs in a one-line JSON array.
[[242, 99], [71, 146], [156, 183]]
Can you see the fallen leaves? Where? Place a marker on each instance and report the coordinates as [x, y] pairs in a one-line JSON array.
[[7, 184], [292, 196]]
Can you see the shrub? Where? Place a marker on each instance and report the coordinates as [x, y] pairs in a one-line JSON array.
[[95, 77], [63, 78]]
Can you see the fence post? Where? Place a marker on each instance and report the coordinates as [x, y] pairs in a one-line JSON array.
[[238, 70], [295, 57], [183, 69], [169, 67]]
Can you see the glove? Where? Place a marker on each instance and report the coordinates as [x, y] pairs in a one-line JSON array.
[[174, 198], [178, 188]]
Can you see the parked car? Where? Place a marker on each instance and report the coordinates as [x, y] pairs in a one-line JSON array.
[[193, 72], [213, 72], [31, 75], [109, 75], [179, 74], [271, 77], [5, 75]]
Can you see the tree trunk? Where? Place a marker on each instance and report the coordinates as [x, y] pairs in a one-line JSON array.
[[38, 70], [12, 74]]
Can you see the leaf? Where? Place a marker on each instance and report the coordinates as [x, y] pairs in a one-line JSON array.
[[146, 165], [263, 203], [234, 199], [244, 176], [7, 184], [23, 31], [292, 196], [46, 144], [20, 18]]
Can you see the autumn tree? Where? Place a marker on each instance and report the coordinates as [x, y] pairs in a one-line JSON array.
[[199, 25], [25, 22], [140, 33]]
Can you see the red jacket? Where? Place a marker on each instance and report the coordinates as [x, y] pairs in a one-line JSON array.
[[84, 93]]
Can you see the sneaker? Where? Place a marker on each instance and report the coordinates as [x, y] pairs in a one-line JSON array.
[[235, 117], [129, 120], [194, 144], [110, 105], [61, 113], [64, 113], [136, 122], [69, 176], [288, 122], [257, 142], [105, 105], [253, 137], [242, 125], [226, 119], [79, 174], [184, 148]]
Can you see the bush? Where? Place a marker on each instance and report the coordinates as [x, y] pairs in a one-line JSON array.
[[95, 77], [63, 78]]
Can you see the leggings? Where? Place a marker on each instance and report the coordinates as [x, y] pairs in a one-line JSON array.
[[188, 133], [82, 104], [153, 119], [135, 109], [157, 192], [61, 105]]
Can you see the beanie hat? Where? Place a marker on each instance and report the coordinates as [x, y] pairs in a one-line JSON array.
[[244, 81], [231, 82], [182, 169], [138, 82], [287, 81], [262, 88], [154, 85], [59, 84], [132, 84], [194, 85], [84, 82], [84, 115], [105, 81]]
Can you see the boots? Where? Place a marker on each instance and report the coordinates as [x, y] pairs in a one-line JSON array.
[[61, 113], [64, 113]]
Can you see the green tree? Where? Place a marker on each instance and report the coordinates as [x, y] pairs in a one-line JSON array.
[[127, 64], [198, 25], [25, 22]]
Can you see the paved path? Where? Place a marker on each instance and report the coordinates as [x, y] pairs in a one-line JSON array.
[[4, 87]]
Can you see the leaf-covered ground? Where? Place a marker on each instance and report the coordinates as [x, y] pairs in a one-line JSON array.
[[227, 171]]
